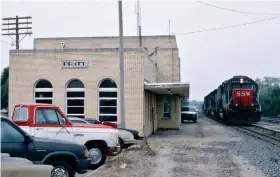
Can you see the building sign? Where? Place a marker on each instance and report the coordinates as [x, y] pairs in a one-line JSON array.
[[74, 64]]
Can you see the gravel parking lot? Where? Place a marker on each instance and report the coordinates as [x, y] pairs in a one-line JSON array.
[[205, 148]]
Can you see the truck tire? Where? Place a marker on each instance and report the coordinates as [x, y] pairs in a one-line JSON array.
[[61, 167], [121, 143], [97, 155]]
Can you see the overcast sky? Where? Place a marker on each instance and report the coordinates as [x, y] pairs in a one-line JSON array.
[[207, 58]]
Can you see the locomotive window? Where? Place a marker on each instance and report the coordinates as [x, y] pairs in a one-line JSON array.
[[245, 85]]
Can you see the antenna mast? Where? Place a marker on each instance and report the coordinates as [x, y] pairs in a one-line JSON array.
[[138, 22]]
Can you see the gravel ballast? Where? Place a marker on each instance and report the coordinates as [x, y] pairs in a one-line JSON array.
[[205, 148]]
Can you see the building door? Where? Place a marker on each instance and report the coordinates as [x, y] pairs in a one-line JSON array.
[[153, 120], [153, 113]]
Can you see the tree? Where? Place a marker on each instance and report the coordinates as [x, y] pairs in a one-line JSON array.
[[4, 88], [269, 95], [184, 102]]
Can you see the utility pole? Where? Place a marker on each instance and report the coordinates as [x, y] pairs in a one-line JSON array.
[[169, 28], [121, 66], [14, 28], [139, 29]]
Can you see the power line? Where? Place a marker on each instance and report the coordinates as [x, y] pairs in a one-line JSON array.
[[232, 26], [233, 10]]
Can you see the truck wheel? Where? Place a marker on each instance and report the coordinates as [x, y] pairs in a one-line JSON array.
[[62, 169], [97, 155], [121, 143]]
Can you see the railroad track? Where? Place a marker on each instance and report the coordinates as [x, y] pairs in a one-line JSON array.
[[271, 120], [263, 133]]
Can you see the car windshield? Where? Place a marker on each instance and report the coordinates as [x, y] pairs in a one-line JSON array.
[[92, 121], [188, 109]]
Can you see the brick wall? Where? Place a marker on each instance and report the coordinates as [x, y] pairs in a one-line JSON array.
[[27, 67], [167, 56]]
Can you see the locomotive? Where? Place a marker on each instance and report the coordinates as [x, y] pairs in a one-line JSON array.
[[235, 101]]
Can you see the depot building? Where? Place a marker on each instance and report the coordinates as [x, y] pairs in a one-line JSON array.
[[81, 76]]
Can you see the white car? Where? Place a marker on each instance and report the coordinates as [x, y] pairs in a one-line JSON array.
[[189, 113], [126, 138], [16, 166]]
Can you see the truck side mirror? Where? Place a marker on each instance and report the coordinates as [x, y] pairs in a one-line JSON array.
[[63, 122]]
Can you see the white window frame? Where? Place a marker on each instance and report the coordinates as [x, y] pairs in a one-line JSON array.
[[74, 98], [107, 98], [42, 90]]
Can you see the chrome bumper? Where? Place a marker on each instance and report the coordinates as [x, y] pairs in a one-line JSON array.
[[129, 141], [113, 151]]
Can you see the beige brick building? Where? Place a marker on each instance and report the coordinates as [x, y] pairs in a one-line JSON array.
[[81, 76]]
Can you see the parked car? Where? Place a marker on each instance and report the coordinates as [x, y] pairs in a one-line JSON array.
[[95, 121], [21, 167], [66, 157], [7, 159], [125, 137], [47, 120], [189, 113], [135, 133]]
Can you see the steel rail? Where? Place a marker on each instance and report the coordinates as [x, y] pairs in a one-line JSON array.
[[263, 133]]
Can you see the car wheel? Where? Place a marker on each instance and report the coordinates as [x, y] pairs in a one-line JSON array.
[[195, 119], [62, 169], [97, 155]]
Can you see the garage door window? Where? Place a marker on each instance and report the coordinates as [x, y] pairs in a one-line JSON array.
[[75, 98], [108, 100], [43, 92]]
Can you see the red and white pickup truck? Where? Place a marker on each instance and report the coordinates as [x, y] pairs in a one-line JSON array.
[[45, 120]]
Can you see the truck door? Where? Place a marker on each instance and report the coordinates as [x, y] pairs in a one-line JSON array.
[[49, 123]]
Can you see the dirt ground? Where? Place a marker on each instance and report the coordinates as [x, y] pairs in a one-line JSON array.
[[196, 150]]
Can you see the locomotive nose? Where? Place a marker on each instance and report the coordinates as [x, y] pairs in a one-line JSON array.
[[243, 97]]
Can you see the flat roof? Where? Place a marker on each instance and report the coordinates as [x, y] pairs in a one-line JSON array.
[[103, 37], [88, 50], [179, 88], [78, 50]]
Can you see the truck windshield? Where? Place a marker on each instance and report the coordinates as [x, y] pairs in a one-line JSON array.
[[247, 86], [188, 109]]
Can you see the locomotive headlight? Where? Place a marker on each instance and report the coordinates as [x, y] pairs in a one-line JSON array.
[[236, 104], [252, 104], [241, 80]]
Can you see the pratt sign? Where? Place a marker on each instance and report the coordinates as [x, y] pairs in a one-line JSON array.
[[74, 64]]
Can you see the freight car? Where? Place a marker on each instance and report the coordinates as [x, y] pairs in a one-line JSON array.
[[235, 101]]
